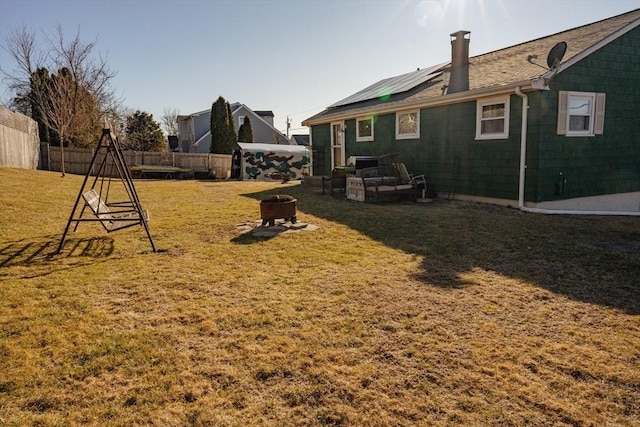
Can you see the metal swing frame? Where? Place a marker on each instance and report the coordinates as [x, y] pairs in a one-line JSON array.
[[112, 215]]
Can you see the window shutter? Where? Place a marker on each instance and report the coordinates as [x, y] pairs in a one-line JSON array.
[[563, 97], [598, 127]]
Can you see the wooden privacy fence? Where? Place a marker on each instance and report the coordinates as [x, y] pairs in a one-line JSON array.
[[19, 142], [77, 160]]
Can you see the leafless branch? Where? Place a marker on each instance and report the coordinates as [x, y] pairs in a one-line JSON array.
[[169, 120], [22, 47]]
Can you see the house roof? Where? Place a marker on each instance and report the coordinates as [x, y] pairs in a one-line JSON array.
[[300, 139], [260, 115], [523, 65], [206, 135], [264, 113], [186, 116]]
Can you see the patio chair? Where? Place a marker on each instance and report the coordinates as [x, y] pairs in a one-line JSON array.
[[337, 181], [406, 178]]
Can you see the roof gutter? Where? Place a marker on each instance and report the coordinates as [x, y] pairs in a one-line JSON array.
[[523, 168]]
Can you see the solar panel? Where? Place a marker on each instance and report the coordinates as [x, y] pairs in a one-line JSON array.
[[392, 85]]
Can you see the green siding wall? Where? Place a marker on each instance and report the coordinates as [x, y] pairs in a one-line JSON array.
[[321, 149], [447, 152], [459, 163], [600, 164]]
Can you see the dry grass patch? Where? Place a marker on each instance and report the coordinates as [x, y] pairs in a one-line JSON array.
[[395, 314]]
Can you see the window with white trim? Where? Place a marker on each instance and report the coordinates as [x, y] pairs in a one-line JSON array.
[[580, 113], [240, 121], [364, 129], [492, 118], [408, 124]]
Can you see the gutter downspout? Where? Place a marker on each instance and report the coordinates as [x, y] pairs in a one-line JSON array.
[[311, 151], [523, 146], [523, 168]]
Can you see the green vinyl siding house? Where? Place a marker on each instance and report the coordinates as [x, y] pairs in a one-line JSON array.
[[550, 125]]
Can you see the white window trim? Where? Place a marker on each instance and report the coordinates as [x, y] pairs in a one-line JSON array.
[[363, 138], [338, 144], [506, 99], [408, 135], [596, 117]]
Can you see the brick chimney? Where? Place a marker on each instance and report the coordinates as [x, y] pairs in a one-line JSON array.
[[459, 80]]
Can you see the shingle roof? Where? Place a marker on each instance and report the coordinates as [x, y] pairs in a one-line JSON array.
[[509, 65], [500, 68], [301, 139]]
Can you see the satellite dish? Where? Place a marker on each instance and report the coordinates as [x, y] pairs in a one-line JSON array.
[[555, 54]]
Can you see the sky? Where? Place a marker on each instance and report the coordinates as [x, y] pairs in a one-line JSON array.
[[293, 57]]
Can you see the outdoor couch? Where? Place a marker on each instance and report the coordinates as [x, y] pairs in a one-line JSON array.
[[396, 182]]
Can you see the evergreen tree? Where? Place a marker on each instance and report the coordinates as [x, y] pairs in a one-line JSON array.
[[39, 83], [86, 126], [51, 97], [223, 131], [232, 136], [142, 133], [245, 133]]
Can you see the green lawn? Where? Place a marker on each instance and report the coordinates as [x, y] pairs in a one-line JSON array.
[[446, 313]]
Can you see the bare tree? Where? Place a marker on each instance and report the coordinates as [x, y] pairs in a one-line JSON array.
[[91, 73], [91, 77], [169, 120], [21, 46]]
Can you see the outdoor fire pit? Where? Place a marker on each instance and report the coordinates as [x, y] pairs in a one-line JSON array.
[[278, 207]]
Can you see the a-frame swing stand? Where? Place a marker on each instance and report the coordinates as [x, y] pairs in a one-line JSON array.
[[111, 166]]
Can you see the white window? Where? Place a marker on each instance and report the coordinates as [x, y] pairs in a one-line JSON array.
[[580, 113], [240, 121], [364, 129], [408, 124], [492, 118]]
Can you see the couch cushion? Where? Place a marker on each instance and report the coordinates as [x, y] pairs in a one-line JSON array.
[[403, 187]]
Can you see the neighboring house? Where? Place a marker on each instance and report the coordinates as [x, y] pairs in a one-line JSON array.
[[506, 127], [194, 130]]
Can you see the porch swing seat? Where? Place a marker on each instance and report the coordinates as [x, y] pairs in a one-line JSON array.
[[111, 221]]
